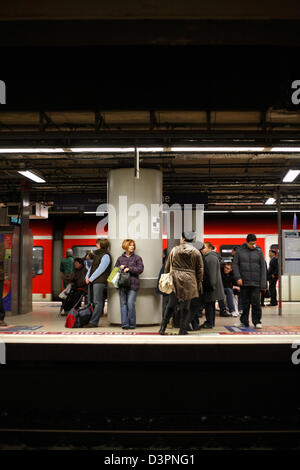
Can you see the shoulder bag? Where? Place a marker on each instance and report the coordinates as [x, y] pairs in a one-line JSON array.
[[165, 283]]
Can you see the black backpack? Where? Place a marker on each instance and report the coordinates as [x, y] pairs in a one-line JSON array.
[[78, 317]]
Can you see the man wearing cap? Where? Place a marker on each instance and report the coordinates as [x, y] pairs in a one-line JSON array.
[[250, 273], [67, 267], [187, 275]]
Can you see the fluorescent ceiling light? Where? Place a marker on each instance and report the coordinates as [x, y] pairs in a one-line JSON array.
[[217, 149], [285, 149], [32, 176], [116, 149], [102, 149], [32, 150], [291, 176], [270, 201], [150, 149], [215, 212], [95, 212], [256, 212]]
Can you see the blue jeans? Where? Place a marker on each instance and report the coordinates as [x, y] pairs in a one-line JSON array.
[[127, 304], [229, 297], [98, 301]]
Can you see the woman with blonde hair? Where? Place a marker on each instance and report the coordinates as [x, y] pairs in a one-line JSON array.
[[133, 264]]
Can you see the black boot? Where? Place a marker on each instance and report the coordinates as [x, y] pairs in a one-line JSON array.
[[162, 329], [182, 332]]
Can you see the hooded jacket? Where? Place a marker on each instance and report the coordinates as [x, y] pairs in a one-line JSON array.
[[187, 271], [250, 266]]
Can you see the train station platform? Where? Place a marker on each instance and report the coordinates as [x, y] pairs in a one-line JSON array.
[[42, 335], [45, 325], [141, 389]]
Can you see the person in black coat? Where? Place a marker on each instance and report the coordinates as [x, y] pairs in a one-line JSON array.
[[165, 297], [197, 304], [249, 269], [79, 287], [272, 277], [216, 293]]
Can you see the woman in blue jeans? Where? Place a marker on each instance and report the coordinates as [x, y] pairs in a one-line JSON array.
[[132, 263], [97, 277]]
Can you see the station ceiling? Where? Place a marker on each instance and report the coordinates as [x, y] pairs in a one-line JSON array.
[[152, 77], [230, 179]]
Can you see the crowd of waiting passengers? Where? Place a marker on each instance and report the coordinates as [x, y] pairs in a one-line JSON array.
[[201, 282]]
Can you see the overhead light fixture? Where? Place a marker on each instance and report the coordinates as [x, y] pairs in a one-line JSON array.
[[95, 212], [217, 149], [32, 176], [150, 149], [102, 149], [285, 149], [270, 201], [147, 149], [256, 212], [116, 149], [291, 176], [31, 150]]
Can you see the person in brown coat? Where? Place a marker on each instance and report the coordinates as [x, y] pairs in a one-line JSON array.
[[187, 275], [2, 310]]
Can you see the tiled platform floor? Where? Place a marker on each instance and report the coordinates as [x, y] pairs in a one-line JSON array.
[[53, 329]]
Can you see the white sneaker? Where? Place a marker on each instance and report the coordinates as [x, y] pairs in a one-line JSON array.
[[235, 314], [258, 325], [241, 325]]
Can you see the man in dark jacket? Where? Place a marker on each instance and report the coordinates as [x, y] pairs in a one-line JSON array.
[[273, 276], [249, 270], [67, 267], [216, 291], [79, 287]]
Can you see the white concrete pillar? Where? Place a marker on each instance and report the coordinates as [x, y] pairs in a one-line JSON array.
[[135, 207]]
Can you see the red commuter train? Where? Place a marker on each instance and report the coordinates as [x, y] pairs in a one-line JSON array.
[[222, 230]]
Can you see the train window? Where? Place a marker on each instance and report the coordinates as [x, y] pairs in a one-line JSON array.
[[226, 252], [37, 261], [79, 251]]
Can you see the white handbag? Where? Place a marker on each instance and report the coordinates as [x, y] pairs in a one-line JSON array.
[[165, 283], [63, 295]]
